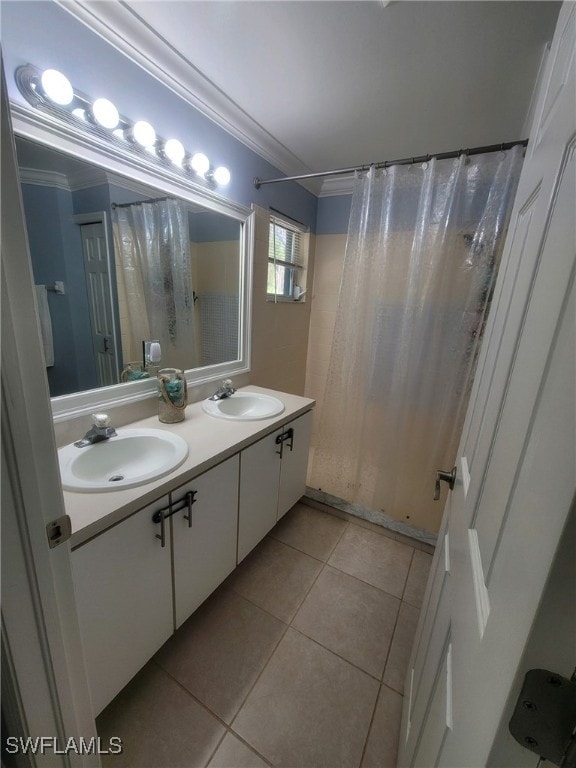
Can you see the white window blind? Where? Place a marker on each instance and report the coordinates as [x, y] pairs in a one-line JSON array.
[[286, 258]]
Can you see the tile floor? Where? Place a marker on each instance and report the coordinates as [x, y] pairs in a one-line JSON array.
[[298, 659]]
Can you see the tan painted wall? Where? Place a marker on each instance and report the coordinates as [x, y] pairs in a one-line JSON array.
[[279, 331]]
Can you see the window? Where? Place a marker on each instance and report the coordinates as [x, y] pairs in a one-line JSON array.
[[286, 258]]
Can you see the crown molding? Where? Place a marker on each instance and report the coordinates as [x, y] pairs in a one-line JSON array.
[[42, 178], [122, 28], [337, 186], [75, 182]]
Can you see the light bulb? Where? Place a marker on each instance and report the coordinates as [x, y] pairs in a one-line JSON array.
[[57, 87], [143, 133], [105, 113], [199, 163], [222, 176], [155, 352], [174, 151], [79, 113]]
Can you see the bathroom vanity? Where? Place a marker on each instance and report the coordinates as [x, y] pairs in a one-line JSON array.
[[145, 558]]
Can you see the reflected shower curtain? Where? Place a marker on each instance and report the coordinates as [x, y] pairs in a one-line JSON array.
[[422, 252], [152, 243]]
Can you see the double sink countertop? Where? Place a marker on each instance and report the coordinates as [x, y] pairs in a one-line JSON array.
[[210, 440]]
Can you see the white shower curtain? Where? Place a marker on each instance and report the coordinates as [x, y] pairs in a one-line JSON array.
[[422, 252], [152, 242]]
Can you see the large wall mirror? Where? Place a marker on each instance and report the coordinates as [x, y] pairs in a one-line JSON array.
[[123, 254]]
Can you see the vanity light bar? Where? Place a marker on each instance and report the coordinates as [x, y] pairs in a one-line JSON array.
[[52, 92]]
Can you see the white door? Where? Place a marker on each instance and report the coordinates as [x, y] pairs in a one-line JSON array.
[[517, 458], [44, 687], [96, 265], [205, 545]]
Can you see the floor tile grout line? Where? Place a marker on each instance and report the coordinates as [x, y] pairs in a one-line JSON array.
[[293, 546], [288, 626], [362, 581], [408, 574], [326, 562], [216, 748], [253, 749], [323, 564], [369, 525], [227, 726], [189, 692], [259, 675], [243, 741], [391, 643], [338, 656], [335, 567], [300, 631], [369, 731], [290, 546]]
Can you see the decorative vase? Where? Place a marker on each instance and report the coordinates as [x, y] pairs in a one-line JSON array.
[[134, 372], [172, 395]]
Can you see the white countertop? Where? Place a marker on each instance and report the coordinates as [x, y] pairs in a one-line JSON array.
[[210, 441]]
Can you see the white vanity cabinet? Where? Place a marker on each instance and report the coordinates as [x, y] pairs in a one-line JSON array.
[[140, 579], [123, 585], [294, 462], [272, 479], [204, 538]]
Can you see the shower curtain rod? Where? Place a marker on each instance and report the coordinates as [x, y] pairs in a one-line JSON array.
[[140, 202], [404, 161]]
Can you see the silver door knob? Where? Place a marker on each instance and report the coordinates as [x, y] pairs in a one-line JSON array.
[[447, 477]]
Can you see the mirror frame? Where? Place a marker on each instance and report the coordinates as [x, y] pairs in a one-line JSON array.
[[63, 137]]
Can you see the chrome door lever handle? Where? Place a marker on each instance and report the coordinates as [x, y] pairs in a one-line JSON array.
[[447, 477]]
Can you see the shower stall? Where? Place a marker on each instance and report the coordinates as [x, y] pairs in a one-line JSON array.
[[422, 252]]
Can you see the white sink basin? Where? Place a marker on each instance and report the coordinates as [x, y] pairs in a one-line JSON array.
[[244, 406], [131, 458]]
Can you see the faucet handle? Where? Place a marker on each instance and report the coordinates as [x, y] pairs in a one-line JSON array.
[[100, 420]]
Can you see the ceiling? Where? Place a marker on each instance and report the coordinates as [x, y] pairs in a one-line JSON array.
[[315, 85]]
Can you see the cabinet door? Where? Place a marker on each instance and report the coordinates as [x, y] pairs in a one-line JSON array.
[[123, 587], [205, 546], [259, 479], [294, 463]]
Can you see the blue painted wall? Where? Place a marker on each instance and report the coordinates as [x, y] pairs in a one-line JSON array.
[[333, 215], [43, 34], [56, 252]]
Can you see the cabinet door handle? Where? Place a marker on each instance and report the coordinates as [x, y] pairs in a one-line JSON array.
[[159, 517], [281, 439], [189, 499], [184, 503]]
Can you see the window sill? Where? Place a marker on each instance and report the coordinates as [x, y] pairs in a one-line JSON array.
[[284, 300]]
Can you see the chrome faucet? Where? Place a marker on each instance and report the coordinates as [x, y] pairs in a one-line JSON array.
[[224, 391], [100, 430]]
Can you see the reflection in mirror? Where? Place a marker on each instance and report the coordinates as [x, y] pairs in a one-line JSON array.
[[118, 263]]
